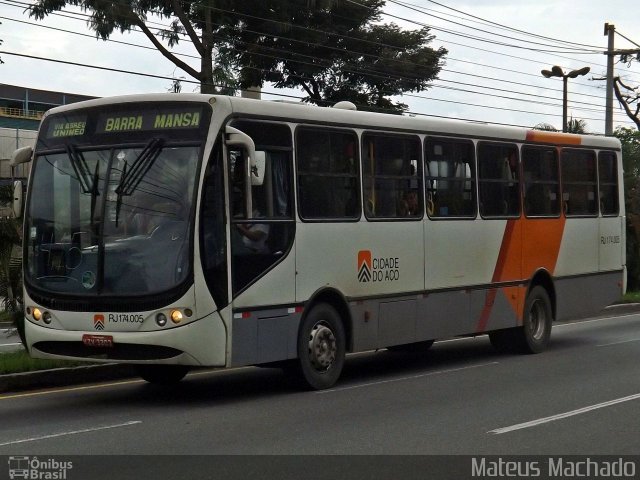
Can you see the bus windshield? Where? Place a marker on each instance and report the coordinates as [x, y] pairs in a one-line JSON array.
[[114, 219]]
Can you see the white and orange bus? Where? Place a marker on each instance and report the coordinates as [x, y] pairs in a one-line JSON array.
[[178, 231]]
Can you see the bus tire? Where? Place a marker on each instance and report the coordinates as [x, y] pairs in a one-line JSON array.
[[321, 347], [502, 340], [534, 335], [162, 374], [417, 347]]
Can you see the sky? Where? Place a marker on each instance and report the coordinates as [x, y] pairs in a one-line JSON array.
[[491, 72]]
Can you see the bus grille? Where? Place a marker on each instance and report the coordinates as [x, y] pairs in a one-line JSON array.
[[122, 351]]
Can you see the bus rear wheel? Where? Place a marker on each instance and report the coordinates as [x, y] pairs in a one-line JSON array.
[[162, 374], [533, 336], [321, 347]]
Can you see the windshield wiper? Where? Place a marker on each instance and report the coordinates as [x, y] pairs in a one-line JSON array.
[[81, 168], [130, 179]]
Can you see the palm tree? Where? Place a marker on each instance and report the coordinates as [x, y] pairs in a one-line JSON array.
[[547, 127], [575, 125]]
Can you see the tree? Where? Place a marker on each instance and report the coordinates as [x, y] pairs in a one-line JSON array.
[[547, 127], [630, 140], [575, 125], [332, 49], [10, 263], [629, 99]]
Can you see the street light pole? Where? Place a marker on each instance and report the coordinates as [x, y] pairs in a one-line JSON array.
[[557, 71]]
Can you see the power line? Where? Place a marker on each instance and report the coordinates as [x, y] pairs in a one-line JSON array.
[[278, 94], [490, 22], [445, 80]]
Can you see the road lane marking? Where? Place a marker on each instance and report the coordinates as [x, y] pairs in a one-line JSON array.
[[618, 343], [560, 416], [10, 344], [73, 432], [412, 377], [600, 319]]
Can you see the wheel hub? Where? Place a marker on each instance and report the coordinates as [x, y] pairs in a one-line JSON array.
[[537, 316], [322, 346]]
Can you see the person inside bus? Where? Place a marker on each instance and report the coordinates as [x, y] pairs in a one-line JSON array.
[[251, 238], [409, 205]]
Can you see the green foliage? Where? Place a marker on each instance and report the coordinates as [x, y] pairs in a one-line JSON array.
[[333, 49], [11, 264], [546, 127], [630, 140], [575, 125], [17, 362]]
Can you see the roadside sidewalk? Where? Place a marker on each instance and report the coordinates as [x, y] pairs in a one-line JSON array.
[[61, 377]]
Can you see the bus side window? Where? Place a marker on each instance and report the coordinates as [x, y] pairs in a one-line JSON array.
[[541, 181], [608, 183], [450, 178], [392, 176], [328, 174], [579, 182], [498, 180]]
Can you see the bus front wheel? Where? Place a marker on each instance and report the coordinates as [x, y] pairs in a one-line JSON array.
[[162, 374], [321, 347]]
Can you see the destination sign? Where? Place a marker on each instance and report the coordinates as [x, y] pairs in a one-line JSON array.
[[156, 119], [62, 127]]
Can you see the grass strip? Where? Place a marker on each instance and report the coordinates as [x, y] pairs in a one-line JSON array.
[[19, 362], [631, 297]]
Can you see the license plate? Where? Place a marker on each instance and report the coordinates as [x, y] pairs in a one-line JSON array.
[[104, 341]]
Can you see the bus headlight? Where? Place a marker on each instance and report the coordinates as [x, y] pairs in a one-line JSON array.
[[161, 319], [46, 318], [37, 314], [176, 316]]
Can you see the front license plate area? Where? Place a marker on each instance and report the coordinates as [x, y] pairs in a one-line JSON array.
[[101, 341]]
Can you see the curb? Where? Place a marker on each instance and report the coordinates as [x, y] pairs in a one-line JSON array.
[[61, 377]]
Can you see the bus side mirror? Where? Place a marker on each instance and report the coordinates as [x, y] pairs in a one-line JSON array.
[[21, 155], [239, 139], [18, 198]]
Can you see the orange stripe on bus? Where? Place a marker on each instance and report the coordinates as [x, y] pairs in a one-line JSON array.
[[527, 246], [553, 137], [503, 269]]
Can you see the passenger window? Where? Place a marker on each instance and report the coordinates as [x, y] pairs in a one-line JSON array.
[[392, 176], [541, 181], [450, 178], [608, 178], [328, 186], [579, 182], [498, 180]]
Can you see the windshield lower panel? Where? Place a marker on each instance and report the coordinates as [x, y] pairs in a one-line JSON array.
[[112, 221]]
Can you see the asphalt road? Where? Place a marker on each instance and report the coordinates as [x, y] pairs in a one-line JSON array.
[[582, 396]]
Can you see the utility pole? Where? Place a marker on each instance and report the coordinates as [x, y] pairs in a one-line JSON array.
[[609, 30]]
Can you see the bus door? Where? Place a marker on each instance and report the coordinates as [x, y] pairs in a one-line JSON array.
[[262, 227]]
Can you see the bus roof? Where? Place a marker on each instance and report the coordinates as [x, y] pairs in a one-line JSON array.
[[289, 111]]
